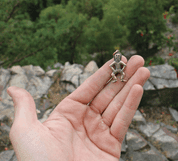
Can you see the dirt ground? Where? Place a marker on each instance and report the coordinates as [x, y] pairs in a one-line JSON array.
[[158, 115]]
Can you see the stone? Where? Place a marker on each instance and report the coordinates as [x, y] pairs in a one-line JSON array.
[[129, 53], [69, 71], [149, 129], [124, 146], [150, 155], [38, 71], [163, 76], [139, 149], [4, 77], [58, 65], [135, 141], [168, 143], [75, 80], [162, 86], [174, 113], [83, 77], [51, 73], [148, 85], [17, 70], [45, 116], [6, 155], [172, 129], [29, 72], [74, 75], [138, 118], [91, 67], [14, 158], [70, 88], [28, 77]]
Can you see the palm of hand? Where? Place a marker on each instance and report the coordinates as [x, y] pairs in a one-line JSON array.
[[87, 138], [76, 131]]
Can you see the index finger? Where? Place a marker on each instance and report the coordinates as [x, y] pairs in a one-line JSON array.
[[94, 84]]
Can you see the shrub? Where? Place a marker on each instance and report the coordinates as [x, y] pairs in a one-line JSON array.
[[151, 61]]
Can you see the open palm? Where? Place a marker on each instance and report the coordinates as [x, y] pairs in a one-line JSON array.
[[89, 124]]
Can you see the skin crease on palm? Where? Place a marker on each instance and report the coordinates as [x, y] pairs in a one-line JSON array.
[[77, 130]]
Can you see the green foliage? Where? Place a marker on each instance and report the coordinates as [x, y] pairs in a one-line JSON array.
[[39, 32], [146, 25], [18, 39], [92, 8], [174, 62], [168, 3], [151, 61], [174, 19]]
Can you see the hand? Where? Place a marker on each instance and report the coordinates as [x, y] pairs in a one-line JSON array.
[[76, 131]]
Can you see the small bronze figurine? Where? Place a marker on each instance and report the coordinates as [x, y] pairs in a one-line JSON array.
[[118, 66]]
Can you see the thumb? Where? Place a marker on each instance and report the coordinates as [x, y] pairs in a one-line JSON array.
[[25, 110]]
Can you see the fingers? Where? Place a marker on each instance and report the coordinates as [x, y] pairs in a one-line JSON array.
[[94, 84], [125, 115], [140, 77], [110, 91]]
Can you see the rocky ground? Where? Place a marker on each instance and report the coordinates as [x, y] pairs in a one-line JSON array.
[[138, 138]]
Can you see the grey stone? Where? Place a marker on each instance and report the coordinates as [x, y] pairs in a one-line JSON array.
[[172, 129], [7, 110], [167, 142], [158, 153], [91, 67], [51, 73], [161, 87], [6, 155], [17, 70], [162, 124], [162, 76], [27, 77], [149, 129], [70, 88], [5, 129], [45, 116], [135, 141], [124, 146], [148, 86], [139, 149], [37, 87], [17, 80], [138, 118], [150, 155], [14, 158], [162, 71], [29, 72], [4, 77], [129, 53], [58, 65], [75, 80], [84, 76], [38, 71], [71, 70], [174, 113]]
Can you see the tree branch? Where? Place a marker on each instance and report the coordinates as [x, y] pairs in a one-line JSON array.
[[15, 61], [12, 12]]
